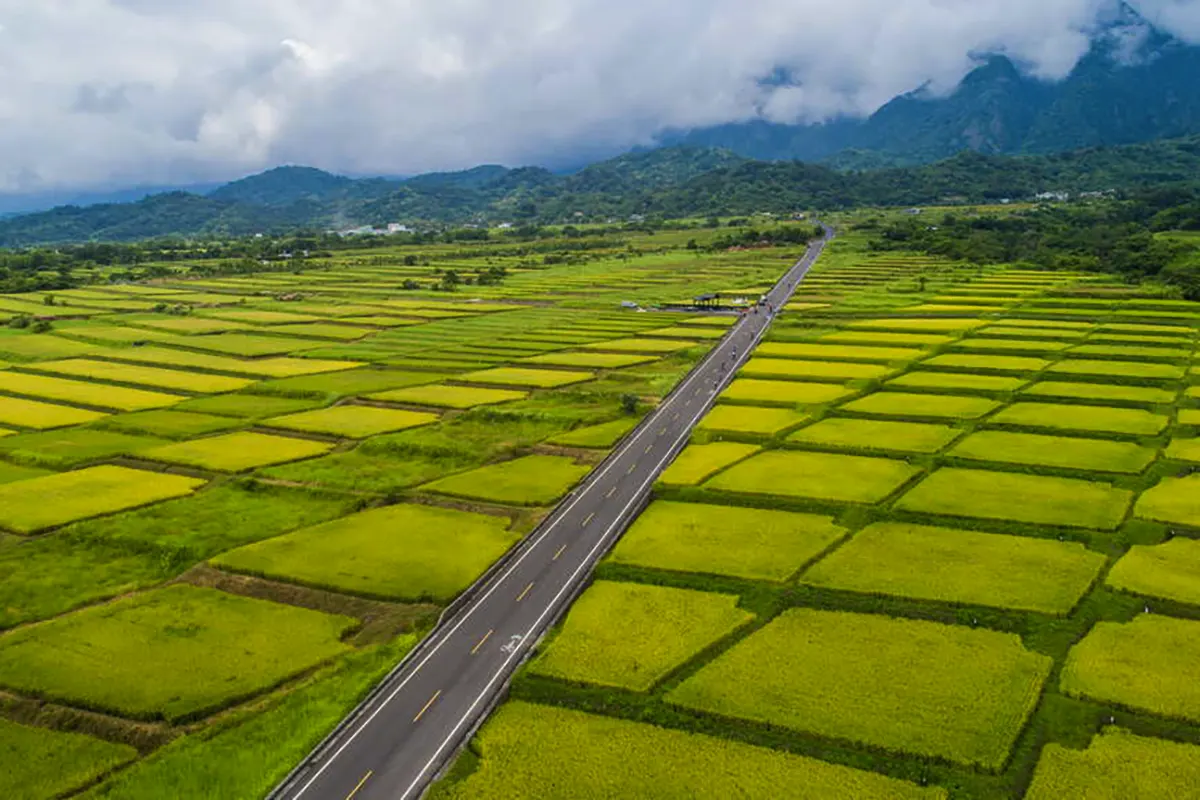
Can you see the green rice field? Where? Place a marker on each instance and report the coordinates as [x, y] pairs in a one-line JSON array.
[[41, 763], [958, 566], [522, 376], [1169, 570], [846, 433], [782, 393], [64, 449], [443, 396], [1095, 419], [752, 420], [352, 421], [904, 685], [169, 654], [535, 480], [631, 759], [1095, 455], [819, 476], [935, 539], [933, 406], [153, 377], [604, 435], [626, 634], [169, 424], [43, 387], [237, 452], [1021, 498], [697, 462], [397, 552], [1144, 664], [35, 504], [752, 543], [1117, 765], [1174, 500]]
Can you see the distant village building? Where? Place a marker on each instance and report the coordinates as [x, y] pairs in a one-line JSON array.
[[504, 226], [1059, 197], [396, 227], [365, 230], [915, 211]]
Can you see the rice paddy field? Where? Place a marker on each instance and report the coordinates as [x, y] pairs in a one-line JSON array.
[[938, 539], [959, 509], [219, 527]]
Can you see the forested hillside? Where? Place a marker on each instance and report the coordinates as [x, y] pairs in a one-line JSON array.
[[671, 183]]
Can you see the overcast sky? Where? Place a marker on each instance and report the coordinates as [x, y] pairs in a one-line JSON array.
[[113, 93]]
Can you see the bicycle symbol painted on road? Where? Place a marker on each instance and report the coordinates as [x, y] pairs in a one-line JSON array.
[[514, 642]]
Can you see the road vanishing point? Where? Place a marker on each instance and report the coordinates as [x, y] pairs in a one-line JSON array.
[[411, 725]]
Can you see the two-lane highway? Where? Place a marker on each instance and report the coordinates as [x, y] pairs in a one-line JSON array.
[[396, 742]]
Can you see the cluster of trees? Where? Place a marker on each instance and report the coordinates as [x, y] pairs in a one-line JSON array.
[[772, 237], [1119, 237], [449, 280]]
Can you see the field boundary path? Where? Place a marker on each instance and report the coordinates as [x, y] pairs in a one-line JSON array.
[[410, 726]]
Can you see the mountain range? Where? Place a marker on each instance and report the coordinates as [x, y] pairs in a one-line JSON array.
[[669, 182], [1128, 115], [1136, 84]]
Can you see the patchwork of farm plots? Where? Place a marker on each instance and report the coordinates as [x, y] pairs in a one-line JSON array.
[[218, 528], [941, 541]]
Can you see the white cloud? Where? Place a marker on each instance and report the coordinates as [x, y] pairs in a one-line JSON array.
[[124, 92]]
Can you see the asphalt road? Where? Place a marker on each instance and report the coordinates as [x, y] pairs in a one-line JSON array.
[[397, 741]]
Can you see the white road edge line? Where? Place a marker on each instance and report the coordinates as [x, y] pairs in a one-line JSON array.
[[511, 568]]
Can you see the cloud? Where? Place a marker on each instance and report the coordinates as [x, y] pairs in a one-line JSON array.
[[102, 93]]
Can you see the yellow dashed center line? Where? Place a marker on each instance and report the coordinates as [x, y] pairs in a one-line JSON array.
[[486, 636], [588, 519], [524, 592], [421, 713], [559, 553], [361, 783]]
